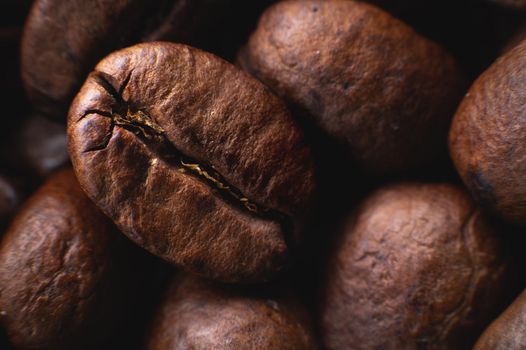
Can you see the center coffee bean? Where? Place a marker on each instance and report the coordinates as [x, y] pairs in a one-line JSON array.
[[194, 160]]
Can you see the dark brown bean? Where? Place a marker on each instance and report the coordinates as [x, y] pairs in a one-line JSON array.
[[193, 160], [201, 315], [487, 137], [63, 279], [367, 80], [418, 267]]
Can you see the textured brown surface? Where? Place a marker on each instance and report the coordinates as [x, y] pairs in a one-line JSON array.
[[418, 267], [179, 103], [487, 136], [63, 40], [368, 80], [508, 331], [59, 282], [200, 315]]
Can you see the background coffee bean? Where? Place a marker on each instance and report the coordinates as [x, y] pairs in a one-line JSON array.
[[197, 314], [486, 137], [417, 266], [64, 278], [328, 59], [193, 160]]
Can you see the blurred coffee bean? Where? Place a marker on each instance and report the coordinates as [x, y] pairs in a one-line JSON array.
[[197, 314], [418, 266], [486, 139], [328, 60], [67, 278]]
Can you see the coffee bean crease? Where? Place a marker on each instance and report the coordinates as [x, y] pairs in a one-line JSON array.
[[133, 119]]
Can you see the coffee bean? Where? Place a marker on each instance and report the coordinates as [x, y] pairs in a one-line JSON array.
[[486, 137], [64, 40], [508, 331], [201, 315], [418, 267], [192, 159], [63, 271], [367, 80]]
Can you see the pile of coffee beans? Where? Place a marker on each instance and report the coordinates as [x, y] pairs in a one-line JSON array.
[[264, 174]]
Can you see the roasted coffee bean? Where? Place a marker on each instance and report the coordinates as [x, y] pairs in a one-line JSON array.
[[508, 331], [64, 40], [192, 159], [367, 80], [418, 267], [197, 314], [63, 271], [487, 137]]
